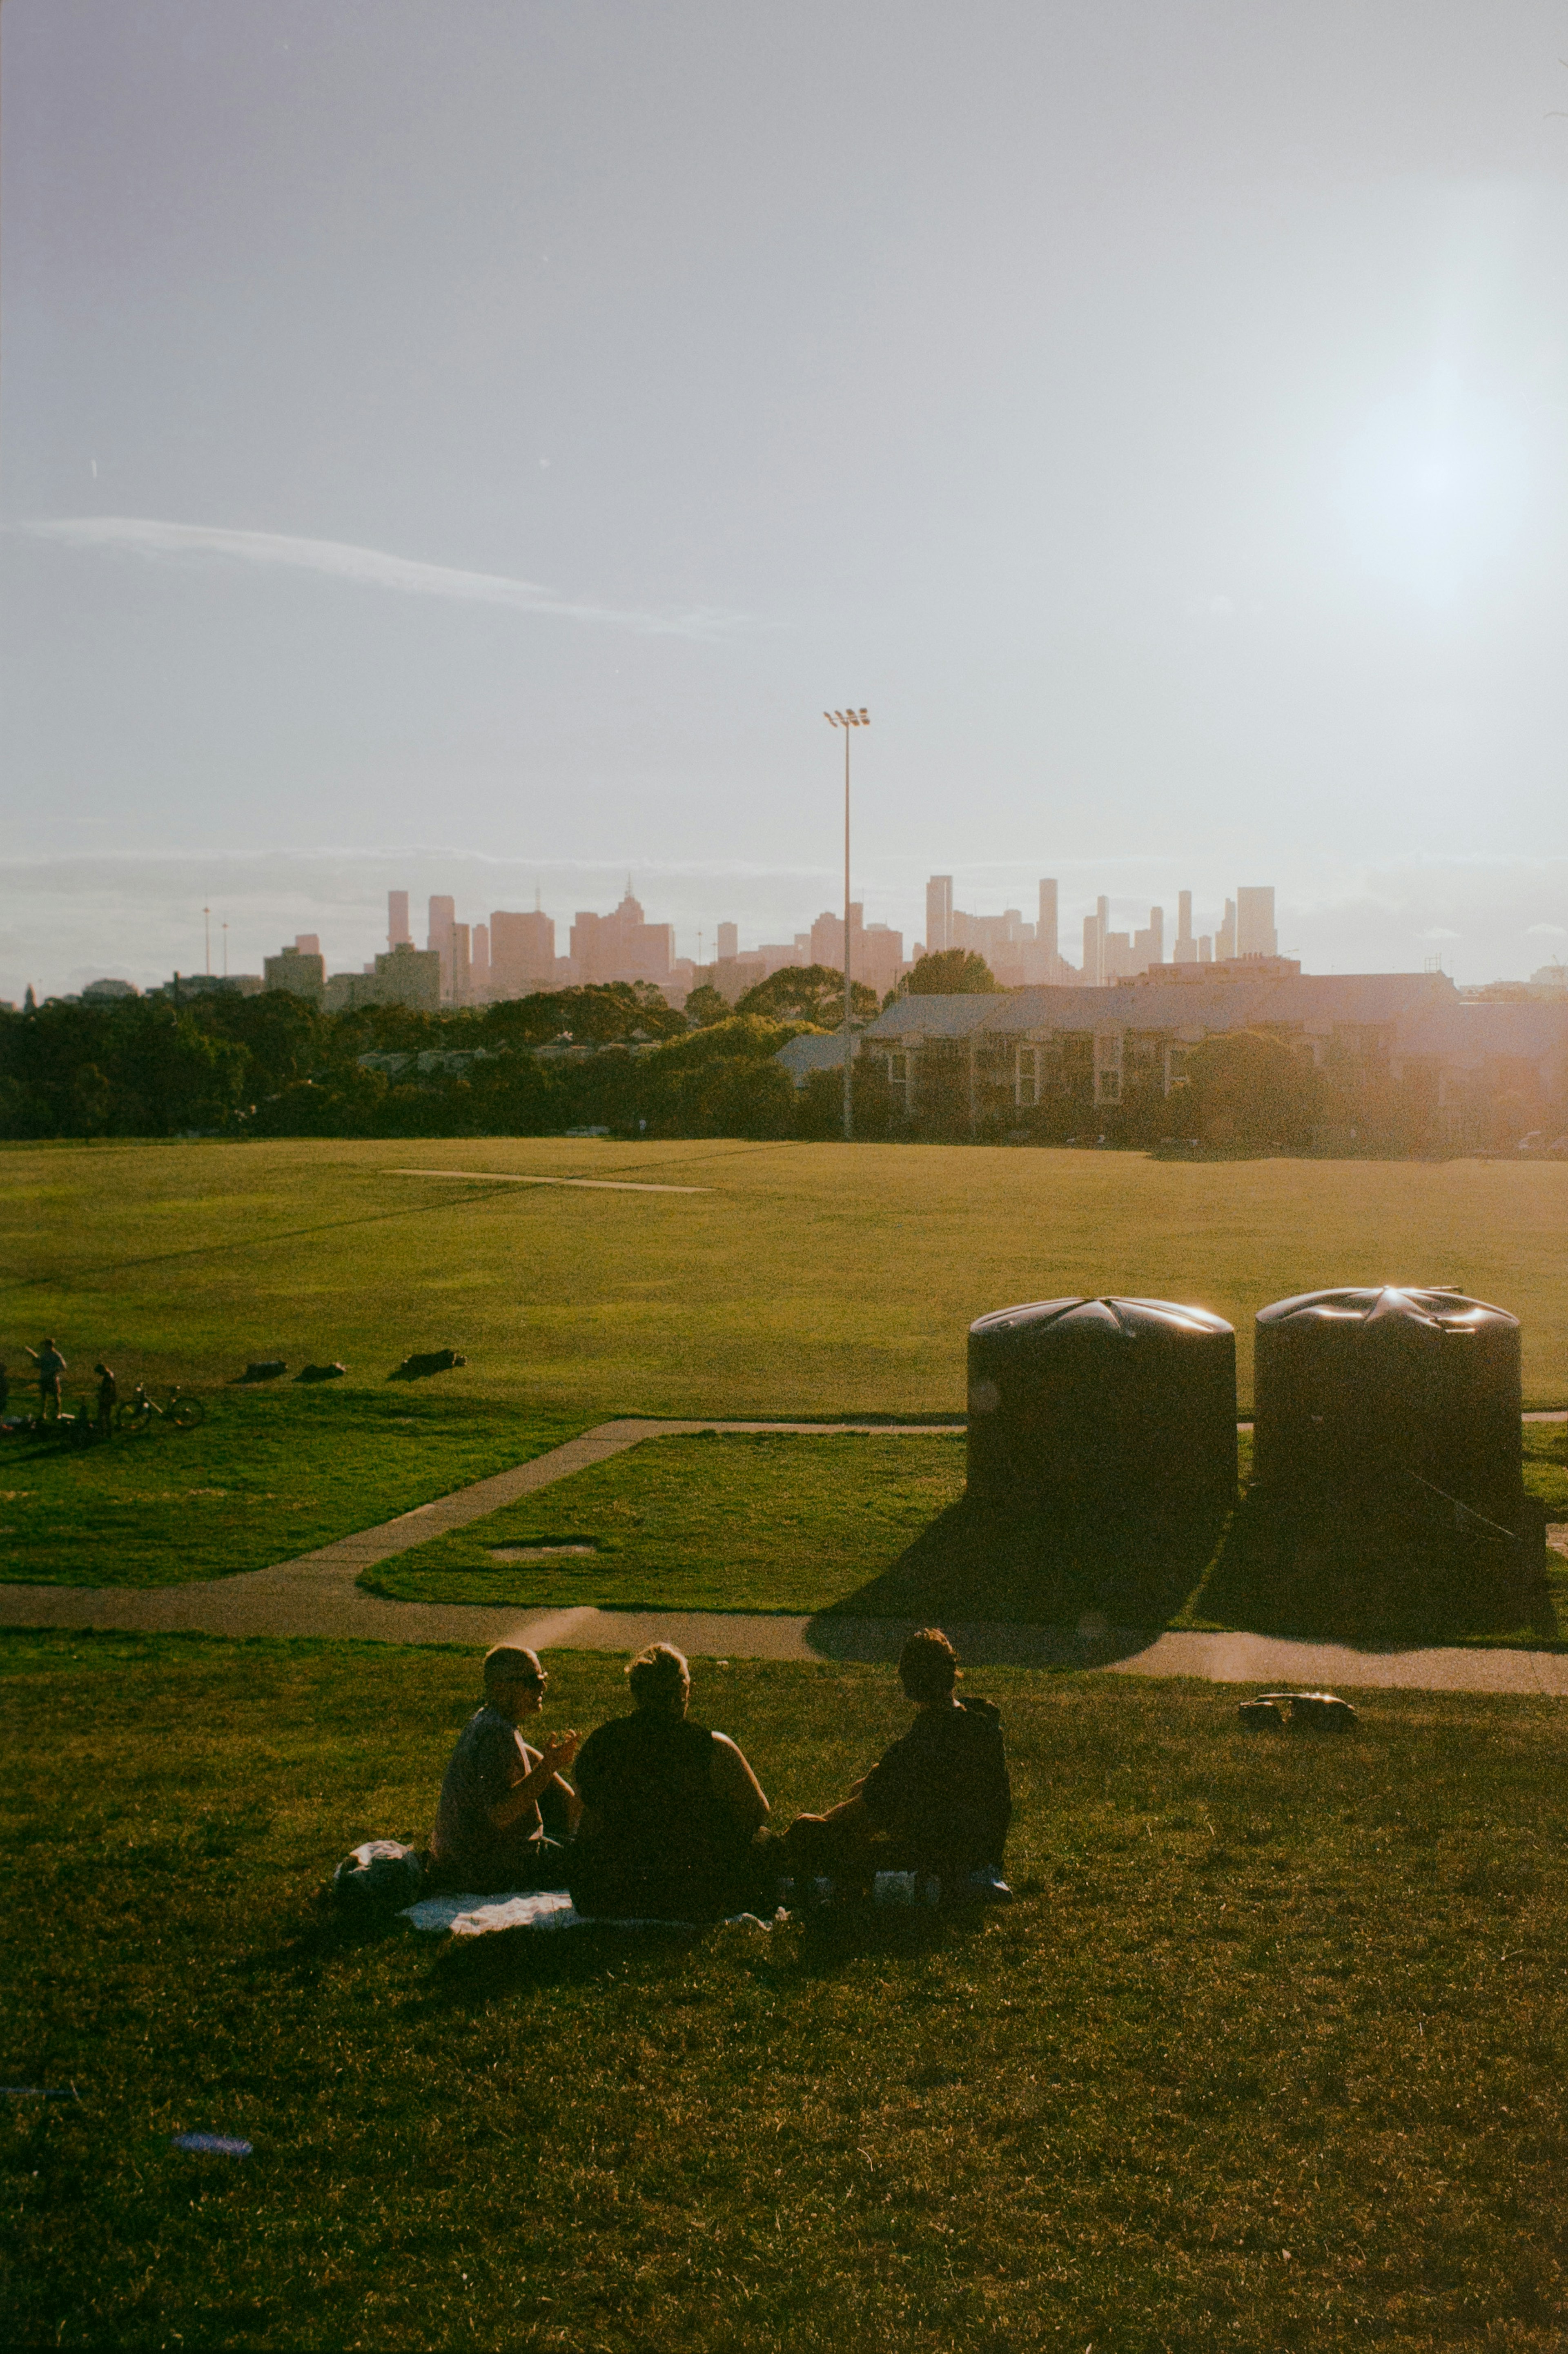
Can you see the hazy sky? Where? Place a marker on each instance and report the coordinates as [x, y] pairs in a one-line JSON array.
[[468, 444]]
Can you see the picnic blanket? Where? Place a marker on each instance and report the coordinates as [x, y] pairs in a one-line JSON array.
[[539, 1908]]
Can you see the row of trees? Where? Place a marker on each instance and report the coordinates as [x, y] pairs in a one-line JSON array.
[[616, 1056], [276, 1066]]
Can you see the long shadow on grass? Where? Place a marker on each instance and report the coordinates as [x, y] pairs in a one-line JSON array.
[[1376, 1572], [1053, 1581]]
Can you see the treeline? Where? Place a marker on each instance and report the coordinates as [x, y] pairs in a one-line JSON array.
[[614, 1057]]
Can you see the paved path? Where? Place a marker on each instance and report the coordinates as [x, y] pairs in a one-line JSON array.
[[317, 1595]]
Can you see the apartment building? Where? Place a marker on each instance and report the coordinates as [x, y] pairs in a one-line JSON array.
[[1404, 1041]]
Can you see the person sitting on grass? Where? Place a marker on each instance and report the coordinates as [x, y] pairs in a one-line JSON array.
[[504, 1813], [938, 1802], [670, 1810]]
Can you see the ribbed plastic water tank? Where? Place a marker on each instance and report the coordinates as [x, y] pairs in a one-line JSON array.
[[1357, 1386], [1102, 1405]]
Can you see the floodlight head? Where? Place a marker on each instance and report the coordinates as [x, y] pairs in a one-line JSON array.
[[865, 720], [831, 720]]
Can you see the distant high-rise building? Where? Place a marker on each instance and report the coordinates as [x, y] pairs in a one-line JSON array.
[[440, 939], [877, 950], [397, 933], [1256, 935], [939, 914], [307, 944], [1093, 953], [1226, 937], [728, 940], [1186, 946], [1148, 946], [461, 980], [1046, 937], [828, 939], [521, 953], [621, 946], [1205, 947], [410, 976], [302, 972], [479, 969]]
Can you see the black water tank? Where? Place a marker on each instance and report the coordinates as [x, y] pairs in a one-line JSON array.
[[1352, 1387], [1102, 1405]]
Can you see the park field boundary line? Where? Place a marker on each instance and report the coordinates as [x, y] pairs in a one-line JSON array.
[[585, 1184], [316, 1595]]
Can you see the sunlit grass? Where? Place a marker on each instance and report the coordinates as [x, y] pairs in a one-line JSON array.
[[1266, 2055]]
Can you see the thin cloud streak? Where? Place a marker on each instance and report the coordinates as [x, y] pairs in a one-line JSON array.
[[366, 568]]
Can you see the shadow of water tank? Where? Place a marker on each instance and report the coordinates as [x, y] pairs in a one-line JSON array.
[[1091, 1407], [1354, 1388]]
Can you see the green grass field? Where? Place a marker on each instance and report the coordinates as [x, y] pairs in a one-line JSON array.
[[877, 1527], [270, 1474], [1267, 2055], [706, 1523], [804, 1280]]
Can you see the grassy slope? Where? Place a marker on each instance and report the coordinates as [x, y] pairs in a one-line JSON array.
[[1265, 2057], [270, 1474], [809, 1277]]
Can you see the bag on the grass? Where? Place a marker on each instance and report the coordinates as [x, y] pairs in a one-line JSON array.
[[381, 1875]]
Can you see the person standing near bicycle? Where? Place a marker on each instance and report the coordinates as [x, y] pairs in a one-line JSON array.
[[107, 1390], [50, 1365]]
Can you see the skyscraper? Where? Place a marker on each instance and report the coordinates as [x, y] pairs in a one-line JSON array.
[[440, 937], [939, 914], [1256, 935], [522, 952], [729, 939], [1045, 931], [398, 932], [1226, 937], [1186, 946]]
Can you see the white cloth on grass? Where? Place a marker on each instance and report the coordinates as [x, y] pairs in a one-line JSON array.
[[539, 1908]]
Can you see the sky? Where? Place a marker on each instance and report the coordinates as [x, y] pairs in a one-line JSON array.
[[464, 447]]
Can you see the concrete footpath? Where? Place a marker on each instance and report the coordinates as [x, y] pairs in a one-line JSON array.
[[317, 1595]]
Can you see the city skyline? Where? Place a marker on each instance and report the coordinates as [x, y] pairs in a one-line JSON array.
[[159, 926], [514, 443]]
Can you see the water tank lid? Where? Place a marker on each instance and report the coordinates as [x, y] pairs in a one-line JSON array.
[[1123, 1318], [1443, 1310]]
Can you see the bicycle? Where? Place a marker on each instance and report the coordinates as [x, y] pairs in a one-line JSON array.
[[135, 1416]]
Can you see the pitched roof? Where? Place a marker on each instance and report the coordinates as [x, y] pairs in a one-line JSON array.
[[1359, 999]]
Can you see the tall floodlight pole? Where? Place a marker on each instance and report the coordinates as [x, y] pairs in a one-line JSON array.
[[206, 934], [846, 720]]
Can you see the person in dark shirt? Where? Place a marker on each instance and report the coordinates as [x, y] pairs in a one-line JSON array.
[[938, 1802], [108, 1392], [50, 1365], [489, 1830], [670, 1809]]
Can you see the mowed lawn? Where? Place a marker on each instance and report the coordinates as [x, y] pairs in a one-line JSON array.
[[878, 1527], [1268, 2054], [270, 1474], [803, 1280], [731, 1522]]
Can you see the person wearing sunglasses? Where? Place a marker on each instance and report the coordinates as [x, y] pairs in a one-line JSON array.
[[506, 1810]]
